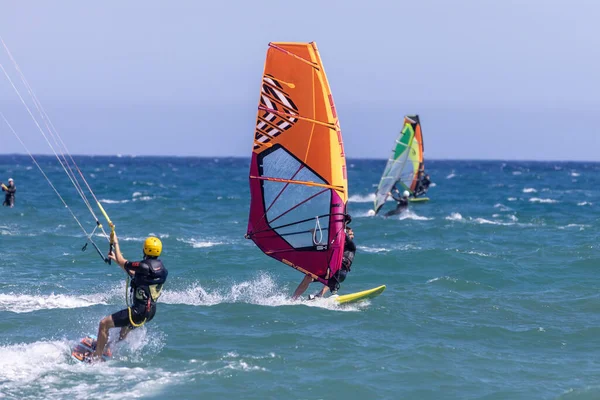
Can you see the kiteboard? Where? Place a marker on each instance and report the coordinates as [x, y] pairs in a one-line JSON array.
[[418, 199], [84, 349], [358, 296]]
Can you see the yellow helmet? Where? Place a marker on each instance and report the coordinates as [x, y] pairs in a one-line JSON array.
[[152, 246]]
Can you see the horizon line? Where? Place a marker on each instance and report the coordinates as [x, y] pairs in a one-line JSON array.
[[248, 157]]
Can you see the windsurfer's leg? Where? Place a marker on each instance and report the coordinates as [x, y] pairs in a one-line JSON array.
[[302, 287], [323, 291], [105, 325]]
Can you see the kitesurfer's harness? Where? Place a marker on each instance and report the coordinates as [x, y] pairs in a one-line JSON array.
[[146, 287]]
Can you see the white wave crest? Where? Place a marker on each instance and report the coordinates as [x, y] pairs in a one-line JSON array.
[[408, 214], [454, 217], [512, 199], [585, 203], [262, 290], [517, 173], [108, 201], [483, 221], [450, 176], [144, 198], [580, 226], [357, 198], [23, 303], [40, 370], [529, 190], [367, 249], [575, 174], [200, 244], [538, 200]]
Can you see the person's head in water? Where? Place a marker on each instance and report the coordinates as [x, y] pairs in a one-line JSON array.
[[10, 181], [152, 247], [405, 194]]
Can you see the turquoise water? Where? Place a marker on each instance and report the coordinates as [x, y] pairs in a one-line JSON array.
[[492, 288]]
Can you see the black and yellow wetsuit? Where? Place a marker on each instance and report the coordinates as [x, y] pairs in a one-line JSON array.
[[147, 279]]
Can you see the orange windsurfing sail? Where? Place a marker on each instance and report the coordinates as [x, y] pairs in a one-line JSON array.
[[298, 183]]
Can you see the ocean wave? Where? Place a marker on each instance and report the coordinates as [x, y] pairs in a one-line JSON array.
[[512, 199], [408, 214], [108, 201], [538, 200], [454, 217], [502, 207], [262, 290], [200, 244], [28, 369], [144, 198], [517, 173], [483, 221], [451, 175], [585, 203], [24, 303], [471, 252], [453, 280], [529, 190], [367, 249], [357, 198], [580, 226], [575, 174]]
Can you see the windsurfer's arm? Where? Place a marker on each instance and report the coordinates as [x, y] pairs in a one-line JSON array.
[[392, 194]]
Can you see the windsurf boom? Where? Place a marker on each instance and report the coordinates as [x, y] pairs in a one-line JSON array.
[[405, 162], [298, 182]]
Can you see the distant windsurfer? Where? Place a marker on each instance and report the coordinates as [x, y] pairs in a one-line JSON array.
[[333, 283], [423, 184], [402, 201], [10, 189], [147, 279]]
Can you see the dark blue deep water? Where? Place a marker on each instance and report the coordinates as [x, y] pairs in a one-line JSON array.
[[492, 288]]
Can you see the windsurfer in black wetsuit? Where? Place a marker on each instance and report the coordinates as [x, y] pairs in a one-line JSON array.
[[422, 184], [402, 201], [147, 279], [10, 189], [333, 283]]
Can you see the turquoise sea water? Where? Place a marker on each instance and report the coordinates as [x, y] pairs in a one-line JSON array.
[[492, 288]]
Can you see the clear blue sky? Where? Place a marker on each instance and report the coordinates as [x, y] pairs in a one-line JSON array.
[[490, 79]]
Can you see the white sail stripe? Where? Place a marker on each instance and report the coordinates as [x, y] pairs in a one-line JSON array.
[[281, 96], [268, 102]]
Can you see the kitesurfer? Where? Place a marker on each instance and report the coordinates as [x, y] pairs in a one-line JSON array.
[[333, 283], [422, 184], [10, 189], [147, 279]]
